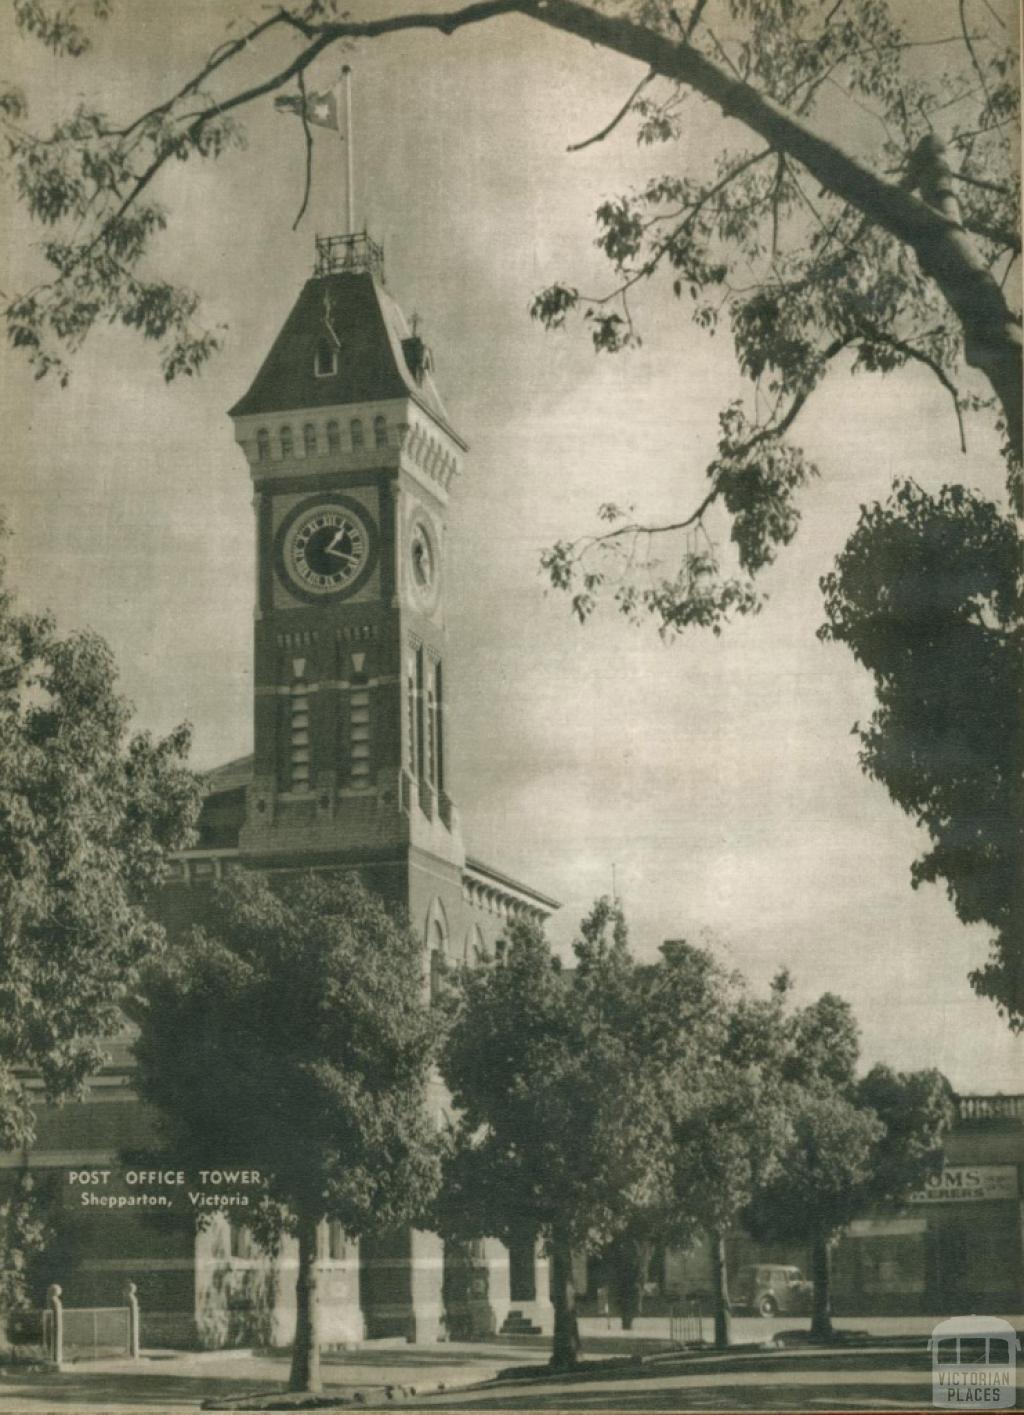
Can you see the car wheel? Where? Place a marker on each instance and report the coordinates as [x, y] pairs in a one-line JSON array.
[[767, 1306]]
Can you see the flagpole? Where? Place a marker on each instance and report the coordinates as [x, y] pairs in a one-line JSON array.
[[350, 225]]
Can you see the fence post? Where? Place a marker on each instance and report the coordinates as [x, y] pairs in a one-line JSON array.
[[56, 1307], [131, 1296]]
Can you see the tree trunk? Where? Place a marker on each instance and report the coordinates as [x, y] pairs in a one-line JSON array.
[[720, 1289], [565, 1348], [627, 1261], [305, 1372], [821, 1271]]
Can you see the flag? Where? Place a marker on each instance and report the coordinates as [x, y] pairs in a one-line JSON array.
[[321, 109]]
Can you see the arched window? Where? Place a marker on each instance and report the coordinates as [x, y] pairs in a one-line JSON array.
[[380, 431], [263, 445], [287, 442], [476, 948], [355, 429], [326, 361], [333, 437], [437, 947], [309, 440]]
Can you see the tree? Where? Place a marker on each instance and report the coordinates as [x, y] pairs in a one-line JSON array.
[[729, 1141], [853, 1144], [25, 1234], [929, 596], [87, 814], [686, 1011], [718, 1053], [310, 1052], [893, 251], [561, 1133]]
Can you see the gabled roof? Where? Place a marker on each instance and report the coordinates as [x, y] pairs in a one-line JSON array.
[[357, 316]]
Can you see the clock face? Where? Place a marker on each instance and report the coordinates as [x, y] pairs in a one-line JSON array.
[[422, 554], [423, 564], [324, 548]]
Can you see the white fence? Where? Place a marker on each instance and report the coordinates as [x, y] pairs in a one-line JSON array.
[[90, 1333]]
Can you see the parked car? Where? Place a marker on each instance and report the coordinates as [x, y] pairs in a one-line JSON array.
[[770, 1290]]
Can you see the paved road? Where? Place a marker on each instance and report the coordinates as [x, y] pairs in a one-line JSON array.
[[869, 1381]]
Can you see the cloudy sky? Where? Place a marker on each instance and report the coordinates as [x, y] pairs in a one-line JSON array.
[[718, 777]]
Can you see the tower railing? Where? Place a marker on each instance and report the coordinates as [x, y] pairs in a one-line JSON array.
[[353, 253]]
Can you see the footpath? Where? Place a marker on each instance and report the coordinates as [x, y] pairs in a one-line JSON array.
[[887, 1369], [172, 1382]]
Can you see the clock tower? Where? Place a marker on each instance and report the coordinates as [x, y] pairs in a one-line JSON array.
[[352, 459]]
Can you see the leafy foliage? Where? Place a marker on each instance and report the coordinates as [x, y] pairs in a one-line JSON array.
[[25, 1232], [929, 596], [729, 1123], [551, 1112], [562, 1086], [310, 1051], [798, 275], [85, 179], [610, 1107], [87, 814], [851, 1144]]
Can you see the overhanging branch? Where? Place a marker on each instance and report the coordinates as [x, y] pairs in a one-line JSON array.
[[992, 332], [610, 126]]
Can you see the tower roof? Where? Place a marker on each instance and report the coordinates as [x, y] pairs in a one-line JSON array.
[[378, 356]]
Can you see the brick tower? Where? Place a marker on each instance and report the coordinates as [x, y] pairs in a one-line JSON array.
[[352, 459]]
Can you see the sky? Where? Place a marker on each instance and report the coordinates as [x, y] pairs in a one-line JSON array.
[[718, 778]]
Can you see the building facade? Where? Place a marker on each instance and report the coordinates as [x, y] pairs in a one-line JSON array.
[[955, 1247], [352, 459]]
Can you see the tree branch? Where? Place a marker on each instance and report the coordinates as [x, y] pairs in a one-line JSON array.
[[215, 110], [992, 332], [694, 19], [999, 188], [610, 127], [998, 235], [221, 55], [309, 153], [919, 356], [774, 429], [962, 7]]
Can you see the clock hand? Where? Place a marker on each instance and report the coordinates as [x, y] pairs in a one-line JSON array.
[[341, 554]]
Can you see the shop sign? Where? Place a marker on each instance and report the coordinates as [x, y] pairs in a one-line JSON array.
[[968, 1184]]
